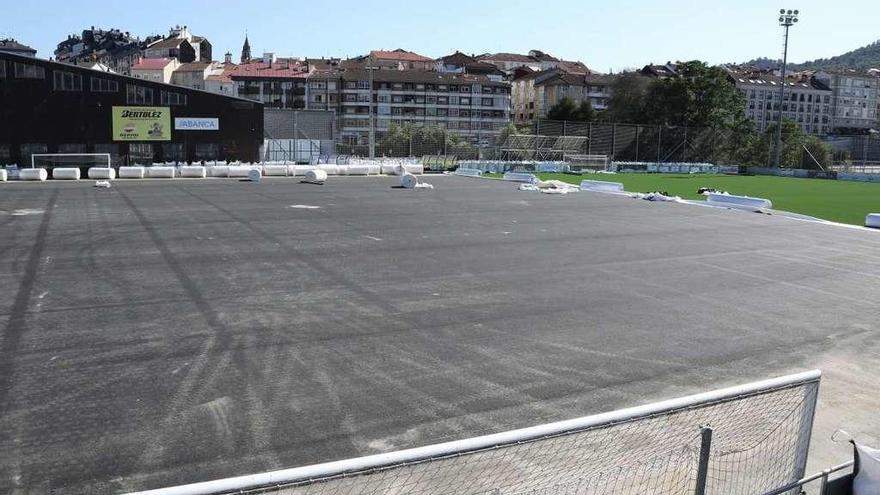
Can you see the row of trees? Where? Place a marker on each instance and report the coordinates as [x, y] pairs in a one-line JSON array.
[[701, 96]]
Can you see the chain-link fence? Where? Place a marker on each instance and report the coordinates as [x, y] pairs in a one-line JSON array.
[[744, 440], [546, 140]]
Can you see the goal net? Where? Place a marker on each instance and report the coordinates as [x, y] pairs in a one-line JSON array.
[[749, 439], [579, 162], [51, 161]]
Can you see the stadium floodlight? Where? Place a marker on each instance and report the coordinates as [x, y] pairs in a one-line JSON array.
[[787, 18]]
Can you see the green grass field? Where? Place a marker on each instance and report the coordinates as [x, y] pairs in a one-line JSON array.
[[840, 201]]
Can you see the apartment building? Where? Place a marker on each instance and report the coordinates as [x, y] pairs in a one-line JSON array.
[[536, 93], [469, 105], [9, 45], [807, 99], [194, 74], [155, 69], [276, 82], [180, 44], [459, 63], [398, 59], [112, 48], [855, 99]]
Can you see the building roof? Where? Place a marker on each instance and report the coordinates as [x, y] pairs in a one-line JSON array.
[[152, 64], [282, 68], [167, 43], [193, 67], [573, 67], [753, 75], [10, 45], [399, 54], [418, 76], [508, 57]]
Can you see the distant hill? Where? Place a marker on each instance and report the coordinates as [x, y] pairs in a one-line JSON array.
[[866, 57]]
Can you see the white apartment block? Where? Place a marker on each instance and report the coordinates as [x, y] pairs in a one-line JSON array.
[[807, 100], [469, 105], [855, 100]]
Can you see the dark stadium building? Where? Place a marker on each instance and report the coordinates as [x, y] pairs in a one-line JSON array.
[[51, 107]]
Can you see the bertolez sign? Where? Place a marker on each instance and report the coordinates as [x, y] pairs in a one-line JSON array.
[[196, 124]]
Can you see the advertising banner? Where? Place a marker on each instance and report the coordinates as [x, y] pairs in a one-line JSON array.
[[141, 124], [196, 124]]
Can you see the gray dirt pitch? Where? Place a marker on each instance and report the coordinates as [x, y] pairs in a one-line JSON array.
[[161, 333]]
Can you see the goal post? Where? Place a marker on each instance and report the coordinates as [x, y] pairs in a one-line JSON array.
[[73, 160], [760, 434], [579, 162]]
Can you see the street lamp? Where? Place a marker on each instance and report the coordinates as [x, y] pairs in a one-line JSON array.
[[787, 19]]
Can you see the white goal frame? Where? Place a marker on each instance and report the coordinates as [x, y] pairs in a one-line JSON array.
[[90, 155], [401, 459]]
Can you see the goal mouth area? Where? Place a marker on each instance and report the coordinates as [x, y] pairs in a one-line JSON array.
[[71, 160]]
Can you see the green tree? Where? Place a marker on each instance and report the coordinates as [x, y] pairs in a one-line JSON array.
[[564, 109], [627, 101], [699, 96], [585, 112], [818, 151], [505, 133]]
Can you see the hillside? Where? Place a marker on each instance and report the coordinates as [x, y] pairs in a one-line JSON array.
[[866, 57]]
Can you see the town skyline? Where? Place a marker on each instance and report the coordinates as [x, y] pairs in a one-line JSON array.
[[488, 28]]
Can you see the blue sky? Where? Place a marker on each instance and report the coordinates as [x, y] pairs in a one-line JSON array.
[[603, 34]]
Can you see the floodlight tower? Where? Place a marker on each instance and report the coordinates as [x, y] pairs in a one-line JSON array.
[[787, 19]]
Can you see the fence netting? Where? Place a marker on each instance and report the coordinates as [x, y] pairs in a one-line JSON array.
[[758, 443]]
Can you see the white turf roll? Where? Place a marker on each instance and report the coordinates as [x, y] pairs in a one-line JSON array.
[[3, 175], [342, 169], [374, 169], [65, 173], [131, 172], [738, 201], [241, 170], [33, 174], [300, 170], [329, 168], [388, 169], [255, 175], [873, 220], [408, 181], [219, 171], [275, 170], [160, 172], [106, 173], [601, 185], [358, 170], [414, 168], [195, 171], [316, 176], [469, 172]]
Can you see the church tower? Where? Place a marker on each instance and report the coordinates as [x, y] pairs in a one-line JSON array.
[[246, 51]]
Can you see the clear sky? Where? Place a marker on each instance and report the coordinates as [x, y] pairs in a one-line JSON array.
[[604, 34]]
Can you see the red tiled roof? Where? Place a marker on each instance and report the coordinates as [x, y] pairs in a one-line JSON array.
[[280, 69], [152, 63], [399, 54]]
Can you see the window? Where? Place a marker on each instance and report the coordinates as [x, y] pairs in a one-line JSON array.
[[172, 99], [464, 101], [66, 81], [138, 95], [104, 85], [140, 153], [363, 85], [207, 151], [29, 71], [487, 102]]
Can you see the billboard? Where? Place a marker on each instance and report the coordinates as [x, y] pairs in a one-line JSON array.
[[141, 124], [196, 124]]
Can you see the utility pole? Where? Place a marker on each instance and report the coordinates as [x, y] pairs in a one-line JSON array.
[[787, 18], [370, 69]]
